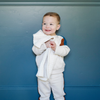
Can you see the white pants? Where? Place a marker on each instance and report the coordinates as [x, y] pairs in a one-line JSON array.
[[56, 84]]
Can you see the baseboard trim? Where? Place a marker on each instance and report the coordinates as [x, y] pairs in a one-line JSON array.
[[32, 87], [49, 3]]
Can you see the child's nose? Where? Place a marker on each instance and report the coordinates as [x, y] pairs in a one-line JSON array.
[[47, 25]]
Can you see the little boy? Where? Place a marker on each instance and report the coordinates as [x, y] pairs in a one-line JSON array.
[[50, 50]]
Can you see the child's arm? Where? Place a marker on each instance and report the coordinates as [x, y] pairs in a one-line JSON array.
[[62, 50], [40, 50], [43, 47]]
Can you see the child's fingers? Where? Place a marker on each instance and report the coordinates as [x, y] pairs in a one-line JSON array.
[[52, 42]]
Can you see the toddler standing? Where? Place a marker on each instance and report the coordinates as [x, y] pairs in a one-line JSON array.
[[50, 50]]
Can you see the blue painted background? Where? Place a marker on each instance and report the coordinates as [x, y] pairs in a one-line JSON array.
[[81, 27]]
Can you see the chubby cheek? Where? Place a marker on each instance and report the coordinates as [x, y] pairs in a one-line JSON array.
[[54, 30], [43, 29]]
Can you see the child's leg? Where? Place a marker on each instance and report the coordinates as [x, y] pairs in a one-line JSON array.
[[57, 85], [44, 90]]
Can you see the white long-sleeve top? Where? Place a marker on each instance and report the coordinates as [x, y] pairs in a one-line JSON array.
[[49, 61]]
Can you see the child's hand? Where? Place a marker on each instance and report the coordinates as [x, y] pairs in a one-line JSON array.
[[47, 44], [53, 45]]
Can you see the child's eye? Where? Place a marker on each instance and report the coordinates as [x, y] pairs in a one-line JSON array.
[[44, 23], [51, 24]]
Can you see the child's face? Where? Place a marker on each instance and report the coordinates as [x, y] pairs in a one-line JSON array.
[[50, 25]]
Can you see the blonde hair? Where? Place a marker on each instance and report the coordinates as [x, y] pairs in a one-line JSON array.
[[53, 14]]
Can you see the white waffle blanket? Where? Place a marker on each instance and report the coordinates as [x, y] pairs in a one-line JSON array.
[[46, 65]]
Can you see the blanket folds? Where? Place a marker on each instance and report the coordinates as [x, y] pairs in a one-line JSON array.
[[46, 65]]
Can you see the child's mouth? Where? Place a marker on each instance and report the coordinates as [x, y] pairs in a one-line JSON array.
[[47, 30]]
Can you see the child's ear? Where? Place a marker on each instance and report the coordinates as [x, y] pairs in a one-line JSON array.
[[58, 27]]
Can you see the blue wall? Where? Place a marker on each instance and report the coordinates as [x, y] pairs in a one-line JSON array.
[[81, 27]]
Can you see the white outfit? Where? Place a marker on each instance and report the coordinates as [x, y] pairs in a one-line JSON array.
[[56, 83], [50, 65]]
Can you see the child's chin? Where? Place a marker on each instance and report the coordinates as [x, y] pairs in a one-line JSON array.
[[47, 33]]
